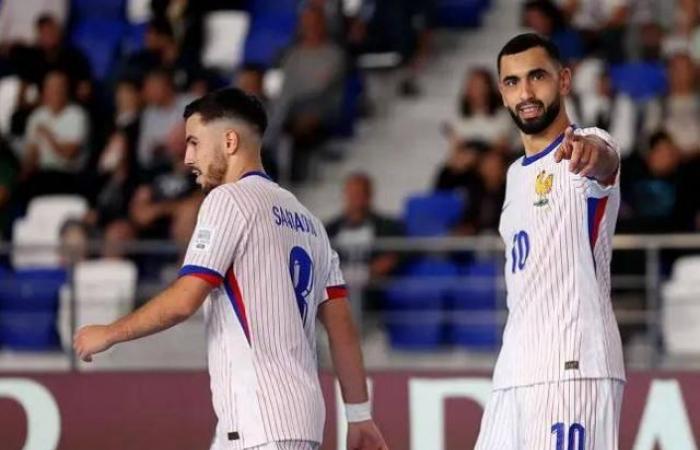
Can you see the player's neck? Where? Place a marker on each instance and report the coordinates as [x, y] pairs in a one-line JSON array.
[[535, 143], [236, 173]]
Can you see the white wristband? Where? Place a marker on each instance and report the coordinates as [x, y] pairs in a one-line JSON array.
[[358, 412]]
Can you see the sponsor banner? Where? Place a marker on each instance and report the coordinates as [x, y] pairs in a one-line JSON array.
[[415, 410]]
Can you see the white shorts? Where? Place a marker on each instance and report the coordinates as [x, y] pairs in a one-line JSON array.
[[281, 445], [565, 415], [289, 445]]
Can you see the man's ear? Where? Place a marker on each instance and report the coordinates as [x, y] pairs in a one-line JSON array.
[[231, 141], [565, 77]]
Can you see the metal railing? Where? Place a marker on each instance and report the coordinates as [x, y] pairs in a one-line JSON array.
[[636, 297]]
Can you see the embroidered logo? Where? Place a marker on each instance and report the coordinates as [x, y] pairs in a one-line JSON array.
[[543, 186]]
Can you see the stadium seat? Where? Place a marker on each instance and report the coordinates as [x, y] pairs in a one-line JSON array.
[[9, 92], [460, 13], [474, 308], [433, 214], [225, 34], [104, 291], [345, 126], [53, 210], [414, 315], [269, 35], [28, 309], [100, 40], [36, 236], [138, 11], [641, 81], [102, 9], [680, 309]]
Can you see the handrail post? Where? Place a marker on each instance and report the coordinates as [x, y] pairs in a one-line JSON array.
[[653, 285]]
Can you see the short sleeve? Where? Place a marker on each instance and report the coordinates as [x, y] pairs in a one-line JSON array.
[[335, 284], [75, 129], [219, 230], [593, 188]]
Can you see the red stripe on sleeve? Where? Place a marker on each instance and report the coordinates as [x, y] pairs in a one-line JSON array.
[[211, 279], [335, 292]]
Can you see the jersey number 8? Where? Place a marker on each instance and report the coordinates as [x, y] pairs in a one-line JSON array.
[[301, 270]]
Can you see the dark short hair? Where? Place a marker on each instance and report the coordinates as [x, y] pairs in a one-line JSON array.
[[526, 41], [162, 27], [45, 19], [657, 137], [230, 103]]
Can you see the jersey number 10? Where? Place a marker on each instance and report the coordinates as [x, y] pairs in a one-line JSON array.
[[301, 269], [520, 251], [576, 430]]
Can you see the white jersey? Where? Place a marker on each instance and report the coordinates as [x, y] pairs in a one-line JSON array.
[[558, 229], [272, 265]]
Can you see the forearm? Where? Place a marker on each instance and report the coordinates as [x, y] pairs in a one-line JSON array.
[[608, 162], [347, 361], [162, 312], [66, 150]]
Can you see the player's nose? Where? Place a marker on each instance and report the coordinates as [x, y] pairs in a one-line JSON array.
[[189, 156], [526, 92]]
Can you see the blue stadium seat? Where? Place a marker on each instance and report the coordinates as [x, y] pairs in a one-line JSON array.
[[345, 126], [460, 13], [641, 81], [268, 36], [134, 38], [414, 315], [474, 309], [434, 214], [28, 308], [101, 9], [100, 41]]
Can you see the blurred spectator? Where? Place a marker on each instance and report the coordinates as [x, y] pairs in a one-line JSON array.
[[460, 172], [250, 78], [659, 190], [9, 173], [160, 51], [612, 111], [162, 127], [117, 167], [545, 18], [165, 204], [55, 149], [356, 228], [51, 52], [477, 172], [481, 113], [651, 42], [485, 211], [311, 96], [679, 112], [602, 24], [18, 19], [164, 208], [681, 33], [74, 238]]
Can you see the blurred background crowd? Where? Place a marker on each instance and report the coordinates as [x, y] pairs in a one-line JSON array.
[[92, 94]]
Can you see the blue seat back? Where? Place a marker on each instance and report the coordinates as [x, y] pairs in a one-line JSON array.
[[434, 214], [100, 40], [641, 81]]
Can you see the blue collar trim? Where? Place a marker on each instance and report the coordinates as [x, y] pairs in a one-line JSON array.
[[527, 160], [257, 173]]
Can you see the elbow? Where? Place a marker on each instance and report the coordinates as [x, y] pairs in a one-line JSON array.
[[183, 311]]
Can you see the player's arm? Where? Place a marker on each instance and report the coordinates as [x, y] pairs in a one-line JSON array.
[[589, 156], [174, 305], [344, 340]]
